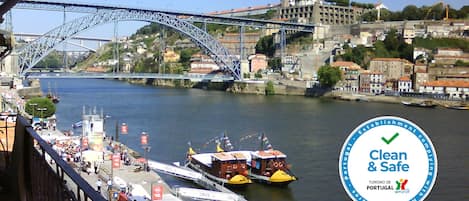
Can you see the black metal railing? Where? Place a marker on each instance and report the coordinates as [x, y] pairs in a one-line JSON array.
[[32, 177]]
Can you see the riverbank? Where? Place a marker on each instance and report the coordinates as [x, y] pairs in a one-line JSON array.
[[339, 95]]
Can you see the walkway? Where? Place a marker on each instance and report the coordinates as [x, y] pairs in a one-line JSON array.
[[140, 180]]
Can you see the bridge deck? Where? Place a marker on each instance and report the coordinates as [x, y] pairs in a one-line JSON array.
[[192, 77]]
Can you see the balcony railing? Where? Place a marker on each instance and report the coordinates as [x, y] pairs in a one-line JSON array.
[[30, 177]]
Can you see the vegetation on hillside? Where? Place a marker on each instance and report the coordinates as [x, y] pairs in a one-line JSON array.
[[362, 5], [52, 60], [391, 47], [412, 12], [269, 88], [433, 43]]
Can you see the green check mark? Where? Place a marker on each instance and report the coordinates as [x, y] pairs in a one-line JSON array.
[[391, 139]]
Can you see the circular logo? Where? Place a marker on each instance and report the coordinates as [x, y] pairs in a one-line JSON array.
[[388, 158]]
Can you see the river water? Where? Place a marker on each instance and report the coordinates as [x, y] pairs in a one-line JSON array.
[[310, 131]]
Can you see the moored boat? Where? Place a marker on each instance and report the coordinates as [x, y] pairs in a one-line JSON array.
[[226, 168], [270, 166], [427, 104], [53, 97], [458, 107]]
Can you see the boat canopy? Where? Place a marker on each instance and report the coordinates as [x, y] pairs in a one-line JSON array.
[[229, 156], [206, 158], [268, 154]]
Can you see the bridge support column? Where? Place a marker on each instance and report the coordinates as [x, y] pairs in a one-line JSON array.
[[241, 42], [283, 45]]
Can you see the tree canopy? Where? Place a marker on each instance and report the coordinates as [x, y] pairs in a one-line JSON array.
[[266, 46], [35, 105], [329, 76], [412, 12]]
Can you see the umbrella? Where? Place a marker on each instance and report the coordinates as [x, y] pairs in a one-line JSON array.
[[141, 160]]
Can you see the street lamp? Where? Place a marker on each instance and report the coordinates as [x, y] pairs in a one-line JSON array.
[[42, 109], [144, 142], [33, 105]]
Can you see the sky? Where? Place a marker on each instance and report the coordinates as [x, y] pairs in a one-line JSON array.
[[26, 21]]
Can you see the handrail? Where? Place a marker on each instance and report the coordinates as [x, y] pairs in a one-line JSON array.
[[30, 170]]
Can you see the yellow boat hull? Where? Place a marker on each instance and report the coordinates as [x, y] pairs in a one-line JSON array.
[[281, 176], [239, 180]]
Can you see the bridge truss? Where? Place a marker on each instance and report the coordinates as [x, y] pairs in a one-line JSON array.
[[32, 53], [187, 16]]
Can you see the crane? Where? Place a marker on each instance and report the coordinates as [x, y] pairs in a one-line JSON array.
[[442, 3]]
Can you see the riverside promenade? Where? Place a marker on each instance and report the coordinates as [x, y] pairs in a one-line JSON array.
[[137, 183]]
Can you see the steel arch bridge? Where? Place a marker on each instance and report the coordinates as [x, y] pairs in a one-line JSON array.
[[31, 54]]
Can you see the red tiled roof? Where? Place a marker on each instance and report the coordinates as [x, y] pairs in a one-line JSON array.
[[201, 70], [404, 78], [465, 56], [449, 49], [391, 59], [420, 64], [367, 72], [421, 71], [447, 83], [349, 64]]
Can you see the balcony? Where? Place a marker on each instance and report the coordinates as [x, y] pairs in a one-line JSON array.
[[26, 175]]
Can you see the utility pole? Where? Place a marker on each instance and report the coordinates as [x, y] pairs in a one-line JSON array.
[[117, 131], [116, 47], [65, 62]]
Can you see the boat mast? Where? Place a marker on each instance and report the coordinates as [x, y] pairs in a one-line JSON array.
[[56, 94], [262, 142]]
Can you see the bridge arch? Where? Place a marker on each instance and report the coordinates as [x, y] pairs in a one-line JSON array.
[[31, 54]]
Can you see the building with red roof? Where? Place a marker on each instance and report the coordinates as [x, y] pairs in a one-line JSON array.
[[350, 75], [392, 68], [454, 89], [404, 84]]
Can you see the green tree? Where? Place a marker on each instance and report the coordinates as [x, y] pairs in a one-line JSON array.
[[53, 60], [406, 51], [463, 13], [185, 56], [461, 63], [328, 76], [33, 105], [359, 54], [275, 63], [266, 46], [380, 50], [411, 12], [269, 88], [391, 42]]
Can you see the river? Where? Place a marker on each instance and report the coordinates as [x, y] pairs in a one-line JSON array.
[[310, 131]]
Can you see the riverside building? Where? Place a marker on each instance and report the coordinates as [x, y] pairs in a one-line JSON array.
[[319, 12]]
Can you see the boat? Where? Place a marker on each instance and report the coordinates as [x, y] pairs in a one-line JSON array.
[[269, 165], [225, 168], [77, 124], [426, 104], [53, 97], [458, 107]]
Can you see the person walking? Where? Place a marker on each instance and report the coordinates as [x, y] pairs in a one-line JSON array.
[[98, 185], [109, 184]]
